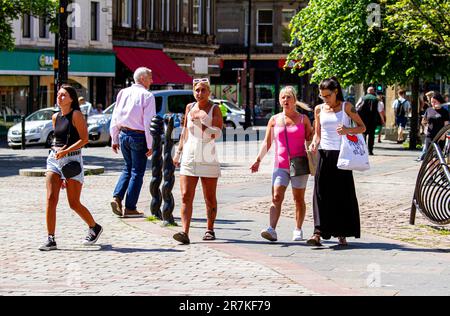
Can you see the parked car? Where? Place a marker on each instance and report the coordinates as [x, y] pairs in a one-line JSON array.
[[98, 127], [235, 116], [38, 129], [168, 102]]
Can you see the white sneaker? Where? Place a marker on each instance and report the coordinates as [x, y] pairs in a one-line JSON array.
[[297, 235], [269, 234]]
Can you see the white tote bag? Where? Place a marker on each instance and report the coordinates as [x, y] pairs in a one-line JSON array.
[[353, 155]]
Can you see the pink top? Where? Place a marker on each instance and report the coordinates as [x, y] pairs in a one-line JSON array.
[[296, 139], [135, 108]]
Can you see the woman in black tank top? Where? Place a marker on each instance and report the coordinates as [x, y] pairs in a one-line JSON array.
[[70, 136]]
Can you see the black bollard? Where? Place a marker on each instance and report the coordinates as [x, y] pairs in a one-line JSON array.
[[169, 178], [156, 129], [23, 131]]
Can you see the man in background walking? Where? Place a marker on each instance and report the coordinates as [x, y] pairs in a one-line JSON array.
[[130, 132]]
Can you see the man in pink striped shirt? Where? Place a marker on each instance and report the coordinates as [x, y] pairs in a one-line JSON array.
[[130, 133]]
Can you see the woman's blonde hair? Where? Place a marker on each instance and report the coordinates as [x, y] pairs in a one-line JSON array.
[[290, 90]]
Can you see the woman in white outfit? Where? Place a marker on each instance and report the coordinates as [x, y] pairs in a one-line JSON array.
[[197, 157]]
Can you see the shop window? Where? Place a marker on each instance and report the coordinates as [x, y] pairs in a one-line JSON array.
[[265, 28]]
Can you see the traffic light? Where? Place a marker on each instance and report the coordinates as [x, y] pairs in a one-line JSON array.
[[379, 88]]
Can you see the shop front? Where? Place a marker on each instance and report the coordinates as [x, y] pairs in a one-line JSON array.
[[27, 79], [267, 78]]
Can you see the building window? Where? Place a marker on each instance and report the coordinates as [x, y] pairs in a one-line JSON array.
[[126, 13], [185, 19], [286, 18], [264, 28], [43, 28], [94, 21], [72, 19], [163, 15], [26, 26], [208, 17], [151, 12], [197, 17], [139, 15], [168, 15]]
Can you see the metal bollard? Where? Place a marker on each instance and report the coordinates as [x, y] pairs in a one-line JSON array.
[[23, 132], [169, 178], [156, 129]]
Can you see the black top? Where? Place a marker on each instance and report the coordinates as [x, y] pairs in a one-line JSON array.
[[369, 110], [436, 119], [65, 132]]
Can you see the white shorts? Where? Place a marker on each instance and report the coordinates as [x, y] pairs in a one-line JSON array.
[[281, 177], [55, 165]]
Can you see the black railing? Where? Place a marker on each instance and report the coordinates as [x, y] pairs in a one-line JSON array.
[[432, 193]]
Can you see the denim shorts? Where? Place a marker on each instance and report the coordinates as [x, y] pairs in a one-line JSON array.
[[281, 177], [54, 165]]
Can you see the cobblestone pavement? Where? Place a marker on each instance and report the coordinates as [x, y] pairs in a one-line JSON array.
[[127, 261], [135, 257]]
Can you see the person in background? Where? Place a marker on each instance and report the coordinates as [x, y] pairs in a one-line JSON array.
[[130, 133], [336, 209], [98, 109], [197, 156], [289, 131], [381, 120], [435, 118], [402, 108], [71, 135]]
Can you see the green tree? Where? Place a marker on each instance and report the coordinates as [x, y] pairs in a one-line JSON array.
[[343, 38], [419, 22], [14, 9]]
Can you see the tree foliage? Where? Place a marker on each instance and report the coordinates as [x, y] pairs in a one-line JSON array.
[[334, 37], [419, 22], [13, 9]]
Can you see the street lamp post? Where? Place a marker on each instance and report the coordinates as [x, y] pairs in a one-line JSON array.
[[248, 113], [61, 46]]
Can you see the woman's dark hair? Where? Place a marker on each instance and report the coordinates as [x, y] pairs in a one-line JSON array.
[[332, 84], [73, 95], [438, 97]]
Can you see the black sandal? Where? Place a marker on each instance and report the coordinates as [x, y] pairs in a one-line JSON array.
[[209, 235], [182, 237]]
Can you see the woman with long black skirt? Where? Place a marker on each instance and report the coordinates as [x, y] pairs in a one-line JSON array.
[[336, 211]]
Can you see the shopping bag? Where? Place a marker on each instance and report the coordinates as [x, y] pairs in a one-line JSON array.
[[353, 154]]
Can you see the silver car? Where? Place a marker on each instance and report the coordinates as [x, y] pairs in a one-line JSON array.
[[168, 102], [98, 127], [38, 129]]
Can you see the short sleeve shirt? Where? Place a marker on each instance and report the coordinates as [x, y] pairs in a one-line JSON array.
[[436, 120]]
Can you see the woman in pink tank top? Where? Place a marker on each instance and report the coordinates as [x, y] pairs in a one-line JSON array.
[[288, 130]]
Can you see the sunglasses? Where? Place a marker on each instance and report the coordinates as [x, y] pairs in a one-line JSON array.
[[198, 80]]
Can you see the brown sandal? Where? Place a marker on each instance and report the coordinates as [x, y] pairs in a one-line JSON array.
[[314, 241], [342, 241], [182, 237]]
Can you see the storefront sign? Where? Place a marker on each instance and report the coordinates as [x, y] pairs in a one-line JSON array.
[[37, 62], [47, 62]]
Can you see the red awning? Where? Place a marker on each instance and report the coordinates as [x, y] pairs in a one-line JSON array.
[[164, 69]]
